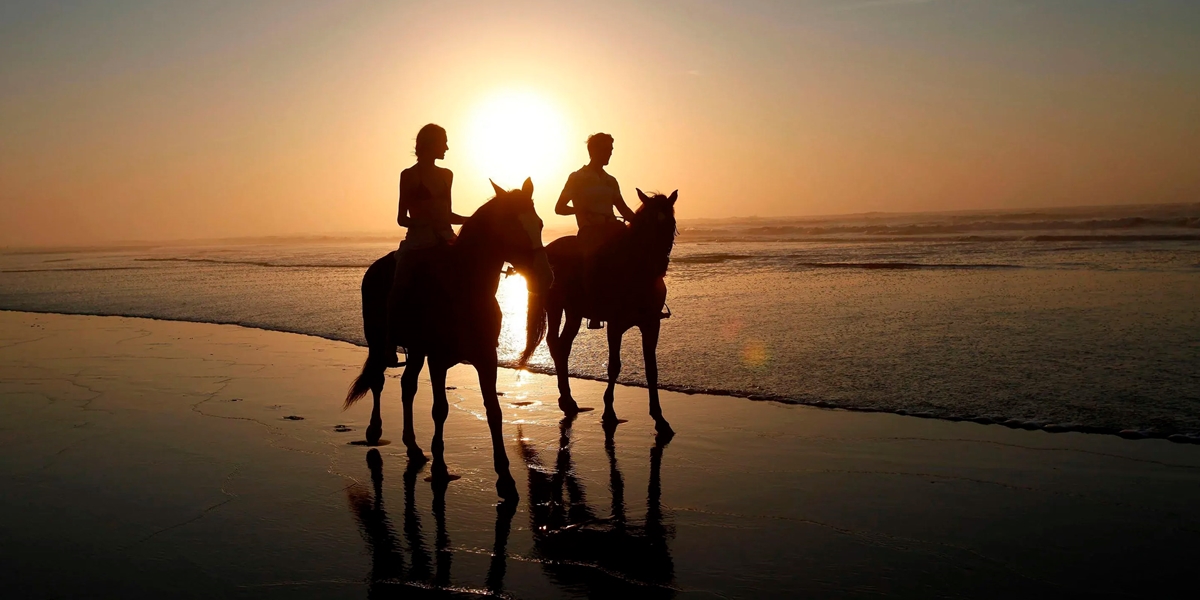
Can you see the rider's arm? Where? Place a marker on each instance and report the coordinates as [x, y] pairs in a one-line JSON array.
[[455, 218], [406, 185], [622, 207], [562, 208]]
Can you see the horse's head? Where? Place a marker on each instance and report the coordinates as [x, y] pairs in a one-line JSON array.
[[654, 226], [518, 229], [513, 232]]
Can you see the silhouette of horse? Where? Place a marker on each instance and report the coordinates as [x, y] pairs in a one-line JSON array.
[[611, 556], [627, 290], [454, 318]]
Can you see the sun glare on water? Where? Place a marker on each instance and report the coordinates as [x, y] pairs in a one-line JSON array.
[[516, 134], [513, 299]]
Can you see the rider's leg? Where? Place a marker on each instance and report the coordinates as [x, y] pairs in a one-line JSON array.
[[396, 296]]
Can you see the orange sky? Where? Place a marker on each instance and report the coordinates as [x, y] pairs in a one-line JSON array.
[[147, 121]]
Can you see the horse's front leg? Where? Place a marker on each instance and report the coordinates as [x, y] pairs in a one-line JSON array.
[[441, 409], [650, 356], [614, 370], [506, 486], [561, 353], [408, 392]]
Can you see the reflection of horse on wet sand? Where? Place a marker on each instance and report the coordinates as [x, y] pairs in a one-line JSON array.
[[392, 576], [611, 556], [455, 318], [625, 288], [577, 549]]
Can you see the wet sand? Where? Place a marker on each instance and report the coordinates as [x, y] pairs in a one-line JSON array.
[[148, 458]]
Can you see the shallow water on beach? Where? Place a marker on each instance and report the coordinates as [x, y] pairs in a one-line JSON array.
[[1083, 318]]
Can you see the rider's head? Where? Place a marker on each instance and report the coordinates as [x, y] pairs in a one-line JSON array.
[[600, 147], [431, 142]]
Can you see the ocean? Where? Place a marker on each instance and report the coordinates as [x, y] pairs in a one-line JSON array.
[[1083, 319]]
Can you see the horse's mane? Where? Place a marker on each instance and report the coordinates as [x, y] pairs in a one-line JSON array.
[[485, 214], [474, 223]]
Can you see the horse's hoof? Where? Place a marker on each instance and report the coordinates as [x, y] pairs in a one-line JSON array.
[[507, 490], [665, 433], [416, 455], [610, 418], [506, 508], [373, 435], [568, 405], [441, 474]]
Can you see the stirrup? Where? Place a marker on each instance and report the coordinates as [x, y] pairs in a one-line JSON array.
[[595, 324], [666, 314]]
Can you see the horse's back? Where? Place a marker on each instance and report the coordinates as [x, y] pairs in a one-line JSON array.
[[562, 250]]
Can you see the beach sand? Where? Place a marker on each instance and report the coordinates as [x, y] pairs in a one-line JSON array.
[[146, 458]]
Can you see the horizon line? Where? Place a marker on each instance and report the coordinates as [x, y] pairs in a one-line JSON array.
[[390, 235]]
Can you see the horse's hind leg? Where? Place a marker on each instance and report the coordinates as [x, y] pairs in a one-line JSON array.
[[561, 353], [375, 428], [408, 392], [650, 355], [614, 370]]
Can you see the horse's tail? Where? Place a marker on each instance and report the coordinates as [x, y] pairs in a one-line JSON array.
[[370, 378], [376, 285]]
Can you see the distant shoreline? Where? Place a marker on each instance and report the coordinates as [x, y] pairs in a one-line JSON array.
[[1012, 423]]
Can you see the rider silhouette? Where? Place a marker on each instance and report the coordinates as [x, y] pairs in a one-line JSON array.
[[424, 209], [591, 194]]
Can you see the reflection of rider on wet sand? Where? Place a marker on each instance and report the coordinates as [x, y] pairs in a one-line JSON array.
[[610, 556], [591, 194], [424, 209]]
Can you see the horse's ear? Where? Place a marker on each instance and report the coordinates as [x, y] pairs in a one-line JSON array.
[[499, 190], [673, 197], [527, 187], [642, 195]]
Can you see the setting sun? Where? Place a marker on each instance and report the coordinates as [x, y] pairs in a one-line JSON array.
[[512, 135]]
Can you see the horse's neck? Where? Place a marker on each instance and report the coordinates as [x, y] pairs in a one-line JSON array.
[[646, 252], [478, 265]]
